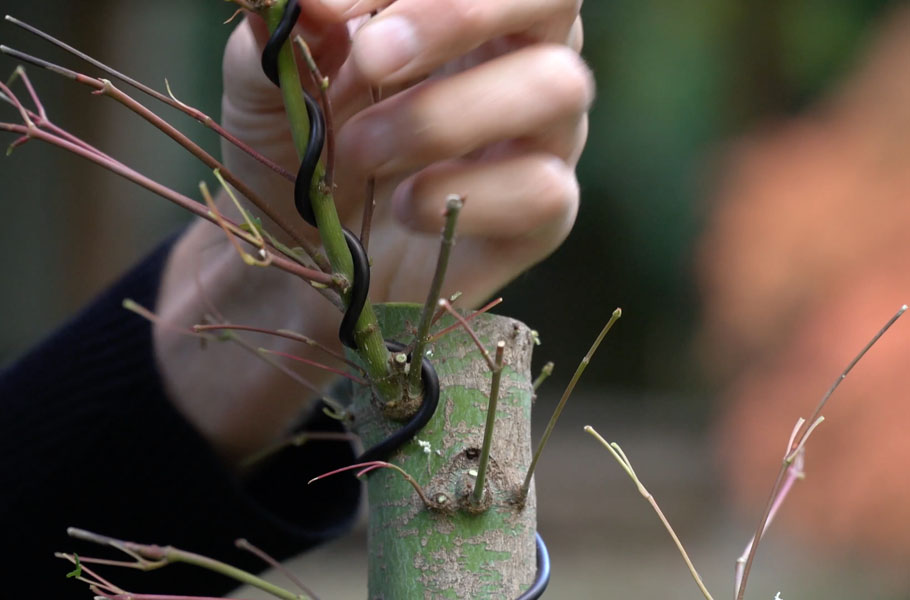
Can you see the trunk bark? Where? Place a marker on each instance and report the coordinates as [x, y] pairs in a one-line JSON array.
[[454, 549]]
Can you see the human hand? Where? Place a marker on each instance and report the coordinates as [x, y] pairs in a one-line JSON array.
[[491, 104]]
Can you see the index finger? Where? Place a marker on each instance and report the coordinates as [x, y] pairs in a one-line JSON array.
[[410, 38]]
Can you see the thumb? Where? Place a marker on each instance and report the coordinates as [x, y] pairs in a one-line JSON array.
[[246, 85]]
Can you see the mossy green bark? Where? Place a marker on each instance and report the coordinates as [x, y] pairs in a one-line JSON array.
[[454, 550]]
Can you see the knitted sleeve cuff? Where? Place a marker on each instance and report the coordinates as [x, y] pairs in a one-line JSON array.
[[89, 439]]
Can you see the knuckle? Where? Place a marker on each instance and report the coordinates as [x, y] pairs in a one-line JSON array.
[[568, 78], [558, 194], [469, 15]]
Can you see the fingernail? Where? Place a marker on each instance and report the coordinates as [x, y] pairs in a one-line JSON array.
[[385, 46]]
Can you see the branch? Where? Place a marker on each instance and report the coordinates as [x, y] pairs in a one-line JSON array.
[[526, 486], [91, 154], [454, 203], [106, 88], [170, 101], [147, 557], [623, 461], [794, 450]]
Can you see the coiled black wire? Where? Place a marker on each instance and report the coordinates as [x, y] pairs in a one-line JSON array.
[[543, 572], [360, 285], [427, 408]]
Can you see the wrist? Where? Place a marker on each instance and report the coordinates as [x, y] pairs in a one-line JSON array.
[[236, 400]]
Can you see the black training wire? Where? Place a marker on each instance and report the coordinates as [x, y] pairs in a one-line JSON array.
[[281, 34], [360, 285], [314, 144], [430, 400], [543, 572]]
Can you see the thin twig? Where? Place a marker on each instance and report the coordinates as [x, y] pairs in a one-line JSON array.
[[369, 199], [318, 365], [133, 306], [184, 202], [106, 88], [526, 486], [489, 305], [259, 353], [369, 203], [19, 73], [490, 424], [797, 444], [40, 119], [264, 557], [99, 580], [134, 596], [545, 372], [170, 101], [624, 462], [148, 557], [795, 472], [379, 464], [291, 335], [454, 204], [247, 258], [467, 327]]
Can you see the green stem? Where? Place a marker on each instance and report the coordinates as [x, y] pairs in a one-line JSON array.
[[453, 207], [488, 429], [369, 337], [545, 372], [562, 402], [623, 461], [175, 555], [149, 556]]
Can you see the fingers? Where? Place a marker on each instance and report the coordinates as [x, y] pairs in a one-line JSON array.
[[245, 83], [576, 35], [530, 195], [410, 38], [549, 87]]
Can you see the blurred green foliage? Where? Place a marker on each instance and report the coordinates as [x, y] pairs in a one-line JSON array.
[[674, 80]]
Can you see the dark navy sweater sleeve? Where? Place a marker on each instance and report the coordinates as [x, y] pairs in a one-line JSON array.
[[89, 439]]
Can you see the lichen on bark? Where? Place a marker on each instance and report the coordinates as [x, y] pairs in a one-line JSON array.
[[454, 550]]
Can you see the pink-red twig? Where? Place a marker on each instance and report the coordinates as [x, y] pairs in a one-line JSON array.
[[454, 326], [366, 467], [467, 327], [318, 365]]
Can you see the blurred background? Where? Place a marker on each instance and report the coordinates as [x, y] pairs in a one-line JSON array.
[[743, 201]]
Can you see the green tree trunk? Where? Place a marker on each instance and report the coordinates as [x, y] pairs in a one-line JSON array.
[[454, 550]]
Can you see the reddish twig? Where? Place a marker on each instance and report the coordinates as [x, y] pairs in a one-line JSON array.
[[318, 365], [372, 465], [89, 153], [467, 327], [106, 88], [479, 311], [147, 557], [173, 102], [291, 335], [264, 557], [98, 582], [796, 447]]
